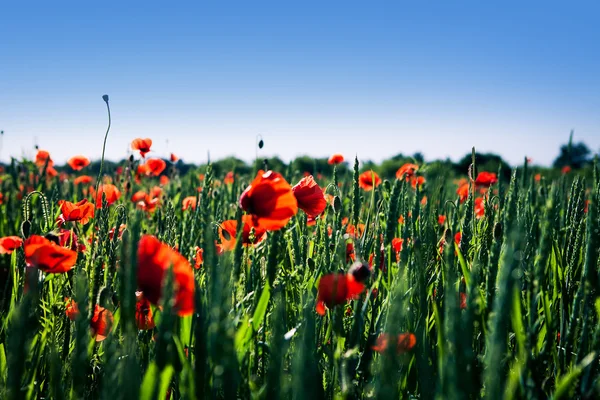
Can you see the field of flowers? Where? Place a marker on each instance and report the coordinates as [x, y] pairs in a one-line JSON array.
[[142, 282]]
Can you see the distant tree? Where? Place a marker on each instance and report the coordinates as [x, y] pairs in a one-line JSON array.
[[485, 162], [575, 155]]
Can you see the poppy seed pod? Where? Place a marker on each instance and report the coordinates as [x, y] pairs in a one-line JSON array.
[[386, 185], [337, 204], [25, 229], [497, 231], [261, 143], [131, 158], [360, 271], [105, 98]]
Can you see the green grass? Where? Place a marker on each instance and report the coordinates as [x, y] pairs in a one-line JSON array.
[[528, 268]]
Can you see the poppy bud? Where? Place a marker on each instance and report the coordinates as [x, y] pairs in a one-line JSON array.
[[105, 98], [261, 143], [128, 186], [25, 229], [131, 158], [337, 204], [360, 271], [497, 231]]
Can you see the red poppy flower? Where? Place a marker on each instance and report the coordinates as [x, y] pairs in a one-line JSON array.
[[71, 309], [148, 204], [337, 288], [479, 208], [110, 191], [164, 180], [441, 219], [417, 181], [9, 244], [350, 256], [369, 180], [537, 177], [309, 196], [51, 172], [586, 206], [229, 178], [81, 211], [486, 179], [83, 179], [404, 342], [155, 166], [199, 259], [406, 171], [463, 192], [142, 145], [565, 170], [463, 300], [397, 246], [111, 233], [78, 162], [174, 158], [336, 159], [154, 259], [143, 313], [140, 195], [189, 202], [1, 198], [269, 200], [228, 233], [101, 323], [42, 157], [48, 256]]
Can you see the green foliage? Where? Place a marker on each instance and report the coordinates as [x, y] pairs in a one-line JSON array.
[[509, 311]]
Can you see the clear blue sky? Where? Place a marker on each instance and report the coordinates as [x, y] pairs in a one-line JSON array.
[[369, 78]]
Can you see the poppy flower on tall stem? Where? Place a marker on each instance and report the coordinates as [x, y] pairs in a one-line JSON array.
[[154, 259], [369, 180], [269, 200], [110, 191], [155, 166], [337, 288], [310, 197], [142, 145], [228, 233], [406, 171], [101, 322], [83, 179], [48, 256], [8, 244], [78, 163], [486, 179], [81, 212], [42, 157], [189, 203], [335, 159]]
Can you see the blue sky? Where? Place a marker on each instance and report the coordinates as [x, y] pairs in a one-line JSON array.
[[370, 78]]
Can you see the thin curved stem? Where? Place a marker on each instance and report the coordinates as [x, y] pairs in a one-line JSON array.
[[105, 98]]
